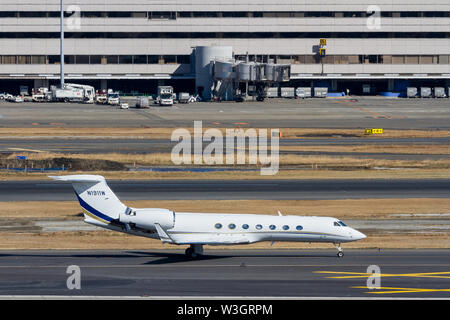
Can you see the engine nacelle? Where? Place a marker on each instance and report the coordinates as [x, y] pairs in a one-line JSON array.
[[146, 218]]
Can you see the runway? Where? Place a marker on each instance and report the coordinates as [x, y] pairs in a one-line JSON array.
[[255, 273], [290, 189]]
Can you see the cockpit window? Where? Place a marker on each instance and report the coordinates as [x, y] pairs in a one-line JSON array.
[[336, 224], [342, 224]]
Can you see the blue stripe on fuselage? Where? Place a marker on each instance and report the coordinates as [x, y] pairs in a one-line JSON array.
[[92, 210]]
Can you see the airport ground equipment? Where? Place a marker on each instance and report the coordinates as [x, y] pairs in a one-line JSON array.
[[72, 92], [113, 98], [287, 92], [142, 102], [303, 92], [183, 97], [40, 95], [165, 96], [272, 92], [228, 75], [425, 92], [439, 92], [411, 92], [101, 97], [320, 92]]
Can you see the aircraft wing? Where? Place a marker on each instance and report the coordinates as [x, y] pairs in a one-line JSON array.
[[209, 238], [200, 237]]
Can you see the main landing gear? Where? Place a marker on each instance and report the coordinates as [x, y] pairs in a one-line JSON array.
[[340, 253], [194, 251]]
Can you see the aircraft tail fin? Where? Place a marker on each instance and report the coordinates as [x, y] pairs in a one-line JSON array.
[[96, 198]]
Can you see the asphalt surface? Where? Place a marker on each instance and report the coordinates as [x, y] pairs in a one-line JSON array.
[[242, 273], [355, 112], [143, 146], [236, 189]]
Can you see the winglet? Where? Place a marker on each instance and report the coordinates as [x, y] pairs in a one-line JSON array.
[[165, 238]]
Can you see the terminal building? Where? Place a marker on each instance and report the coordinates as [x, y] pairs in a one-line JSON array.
[[136, 46]]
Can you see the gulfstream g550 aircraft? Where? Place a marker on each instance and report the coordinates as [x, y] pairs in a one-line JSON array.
[[102, 208]]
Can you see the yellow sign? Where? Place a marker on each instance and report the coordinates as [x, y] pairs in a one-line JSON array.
[[374, 131], [323, 42], [323, 52]]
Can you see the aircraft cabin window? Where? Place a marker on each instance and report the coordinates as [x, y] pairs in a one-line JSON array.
[[272, 227], [299, 228], [245, 226], [336, 224], [285, 227], [258, 227], [342, 224], [232, 226], [218, 225]]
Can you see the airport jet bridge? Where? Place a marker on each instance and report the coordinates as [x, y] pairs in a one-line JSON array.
[[229, 74]]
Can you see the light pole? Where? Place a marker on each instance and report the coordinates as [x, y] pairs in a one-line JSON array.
[[61, 45]]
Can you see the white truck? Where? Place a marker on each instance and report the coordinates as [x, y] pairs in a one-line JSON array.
[[101, 97], [72, 92], [40, 95], [113, 98], [165, 96]]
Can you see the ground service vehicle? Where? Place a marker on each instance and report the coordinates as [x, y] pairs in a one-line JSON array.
[[165, 96]]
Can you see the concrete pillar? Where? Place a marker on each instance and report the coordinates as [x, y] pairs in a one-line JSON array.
[[334, 85], [103, 84], [391, 85]]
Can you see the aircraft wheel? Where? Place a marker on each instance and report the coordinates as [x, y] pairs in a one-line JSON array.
[[190, 253], [340, 254]]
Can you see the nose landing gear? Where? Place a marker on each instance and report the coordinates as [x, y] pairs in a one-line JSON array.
[[340, 253]]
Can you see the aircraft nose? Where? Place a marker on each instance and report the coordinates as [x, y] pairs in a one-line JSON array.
[[358, 235]]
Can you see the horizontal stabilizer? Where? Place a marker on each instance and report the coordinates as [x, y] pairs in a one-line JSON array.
[[79, 178]]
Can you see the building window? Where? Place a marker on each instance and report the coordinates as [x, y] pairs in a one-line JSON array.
[[9, 60], [162, 15], [153, 59], [38, 59], [140, 59], [125, 59], [112, 59]]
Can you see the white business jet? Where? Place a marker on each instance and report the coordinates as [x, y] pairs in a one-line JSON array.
[[102, 208]]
